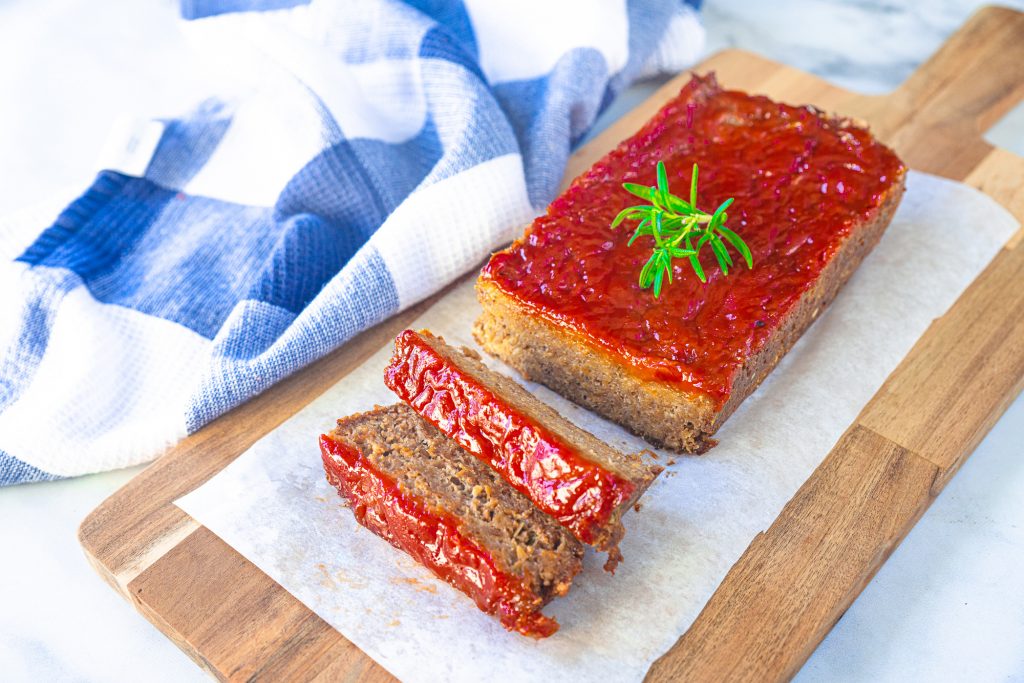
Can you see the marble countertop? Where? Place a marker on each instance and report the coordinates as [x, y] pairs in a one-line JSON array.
[[949, 603]]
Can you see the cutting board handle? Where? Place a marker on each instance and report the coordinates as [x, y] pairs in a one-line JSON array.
[[975, 77]]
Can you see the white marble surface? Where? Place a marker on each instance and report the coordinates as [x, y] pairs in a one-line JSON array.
[[948, 605]]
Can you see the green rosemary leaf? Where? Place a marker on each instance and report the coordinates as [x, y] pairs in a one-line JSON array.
[[724, 205], [694, 259], [657, 283], [672, 223], [695, 263], [623, 215], [717, 241], [644, 273], [716, 219], [644, 228], [663, 183], [641, 191], [721, 255], [737, 242], [681, 207], [693, 187], [656, 225]]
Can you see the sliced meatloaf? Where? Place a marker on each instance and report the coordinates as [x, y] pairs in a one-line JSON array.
[[567, 472], [413, 486]]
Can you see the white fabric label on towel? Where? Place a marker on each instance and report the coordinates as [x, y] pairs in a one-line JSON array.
[[130, 145]]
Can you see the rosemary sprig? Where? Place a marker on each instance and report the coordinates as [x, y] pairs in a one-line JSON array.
[[679, 230]]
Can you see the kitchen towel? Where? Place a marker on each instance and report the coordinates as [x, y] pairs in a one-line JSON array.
[[359, 157]]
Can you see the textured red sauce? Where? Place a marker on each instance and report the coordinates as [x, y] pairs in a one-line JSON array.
[[432, 537], [800, 181], [579, 493]]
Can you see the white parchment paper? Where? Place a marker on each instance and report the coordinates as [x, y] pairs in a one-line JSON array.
[[274, 507]]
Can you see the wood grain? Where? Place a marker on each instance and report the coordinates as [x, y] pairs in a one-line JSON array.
[[797, 578], [259, 632], [850, 515]]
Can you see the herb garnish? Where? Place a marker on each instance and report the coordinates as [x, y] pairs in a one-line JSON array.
[[675, 223]]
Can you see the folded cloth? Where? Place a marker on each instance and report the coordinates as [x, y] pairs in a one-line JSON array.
[[363, 155]]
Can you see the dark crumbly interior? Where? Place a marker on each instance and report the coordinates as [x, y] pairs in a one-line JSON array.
[[523, 541]]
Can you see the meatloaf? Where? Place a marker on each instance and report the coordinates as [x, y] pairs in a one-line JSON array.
[[411, 485], [567, 472], [562, 305]]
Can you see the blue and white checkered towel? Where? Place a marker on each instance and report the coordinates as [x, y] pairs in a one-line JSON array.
[[364, 155]]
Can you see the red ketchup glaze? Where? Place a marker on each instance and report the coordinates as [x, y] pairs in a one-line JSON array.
[[432, 538], [800, 183], [577, 492]]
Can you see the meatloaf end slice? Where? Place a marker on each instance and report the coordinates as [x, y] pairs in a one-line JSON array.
[[566, 471]]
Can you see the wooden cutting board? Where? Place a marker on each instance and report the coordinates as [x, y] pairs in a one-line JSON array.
[[797, 578]]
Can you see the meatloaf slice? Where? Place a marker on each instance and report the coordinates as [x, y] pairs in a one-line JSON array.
[[567, 472], [414, 487], [812, 196]]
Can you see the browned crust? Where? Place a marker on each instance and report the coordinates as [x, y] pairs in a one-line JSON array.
[[662, 413], [635, 468]]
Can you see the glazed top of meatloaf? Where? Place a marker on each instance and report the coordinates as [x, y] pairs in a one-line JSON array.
[[802, 183]]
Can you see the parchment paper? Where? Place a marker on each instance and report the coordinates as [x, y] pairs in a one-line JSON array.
[[274, 507]]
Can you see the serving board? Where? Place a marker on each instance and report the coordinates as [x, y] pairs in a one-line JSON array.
[[795, 579]]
